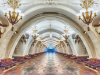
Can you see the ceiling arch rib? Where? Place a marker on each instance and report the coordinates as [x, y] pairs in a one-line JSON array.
[[50, 42], [46, 39], [49, 36], [48, 25], [56, 34], [66, 20], [50, 28]]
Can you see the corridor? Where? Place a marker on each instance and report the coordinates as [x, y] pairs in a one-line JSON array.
[[49, 37], [50, 64]]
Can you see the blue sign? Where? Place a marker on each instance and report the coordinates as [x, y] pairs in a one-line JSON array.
[[50, 49]]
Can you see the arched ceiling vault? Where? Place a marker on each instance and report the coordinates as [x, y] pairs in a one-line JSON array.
[[34, 21], [50, 28], [34, 15]]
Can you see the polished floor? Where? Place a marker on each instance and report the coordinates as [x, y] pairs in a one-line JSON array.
[[51, 64]]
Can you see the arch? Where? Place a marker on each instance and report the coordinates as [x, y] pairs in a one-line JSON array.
[[89, 44]]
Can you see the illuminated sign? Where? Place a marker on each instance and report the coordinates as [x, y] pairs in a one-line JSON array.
[[50, 48]]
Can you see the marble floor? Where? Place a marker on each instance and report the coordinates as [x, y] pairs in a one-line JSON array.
[[51, 64]]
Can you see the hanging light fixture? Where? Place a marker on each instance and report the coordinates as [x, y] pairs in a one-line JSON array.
[[35, 33], [13, 15], [87, 15], [45, 45], [41, 39], [56, 45], [65, 35], [60, 39]]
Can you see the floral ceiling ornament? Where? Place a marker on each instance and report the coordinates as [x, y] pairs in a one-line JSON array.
[[3, 4], [14, 4], [97, 5], [50, 2], [87, 4]]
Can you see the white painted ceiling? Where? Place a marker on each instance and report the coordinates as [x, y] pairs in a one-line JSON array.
[[50, 25], [27, 5]]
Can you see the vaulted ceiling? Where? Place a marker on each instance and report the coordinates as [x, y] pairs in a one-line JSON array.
[[49, 26], [31, 8]]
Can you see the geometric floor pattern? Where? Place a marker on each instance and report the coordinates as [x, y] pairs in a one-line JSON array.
[[51, 64]]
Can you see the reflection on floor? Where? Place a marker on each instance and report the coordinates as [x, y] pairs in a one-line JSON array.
[[51, 64]]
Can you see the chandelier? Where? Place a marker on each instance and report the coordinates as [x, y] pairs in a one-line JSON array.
[[60, 39], [43, 42], [45, 45], [13, 15], [50, 2], [65, 35], [56, 44], [35, 34], [41, 39], [87, 15]]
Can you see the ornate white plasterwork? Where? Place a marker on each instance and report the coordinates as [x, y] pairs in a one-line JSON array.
[[50, 2]]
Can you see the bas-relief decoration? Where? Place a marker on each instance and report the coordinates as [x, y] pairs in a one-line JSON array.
[[50, 2], [23, 40], [81, 49]]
